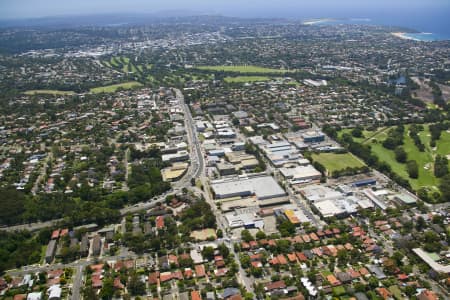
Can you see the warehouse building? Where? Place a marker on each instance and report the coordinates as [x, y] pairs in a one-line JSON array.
[[50, 251], [301, 173], [262, 187]]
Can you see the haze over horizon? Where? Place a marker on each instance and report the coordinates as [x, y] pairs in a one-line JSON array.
[[19, 9], [428, 16]]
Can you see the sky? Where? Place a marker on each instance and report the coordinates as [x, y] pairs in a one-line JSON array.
[[18, 9]]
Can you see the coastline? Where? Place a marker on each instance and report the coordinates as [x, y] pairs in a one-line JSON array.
[[404, 36], [317, 21]]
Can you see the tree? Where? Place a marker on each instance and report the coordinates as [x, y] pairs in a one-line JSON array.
[[412, 168], [89, 293], [373, 282], [208, 253], [136, 286], [357, 132], [246, 236], [107, 290], [440, 166], [244, 259], [444, 187], [224, 251], [400, 154], [260, 235], [11, 206], [286, 228]]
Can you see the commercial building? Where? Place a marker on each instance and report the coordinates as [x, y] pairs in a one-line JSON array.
[[175, 172], [246, 220], [175, 157], [313, 137]]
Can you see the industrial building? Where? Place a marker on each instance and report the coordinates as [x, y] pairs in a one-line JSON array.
[[280, 153], [50, 252], [329, 202], [301, 173], [262, 187]]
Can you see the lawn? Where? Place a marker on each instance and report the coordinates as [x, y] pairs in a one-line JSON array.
[[396, 292], [243, 69], [338, 291], [48, 92], [245, 79], [336, 162], [112, 88]]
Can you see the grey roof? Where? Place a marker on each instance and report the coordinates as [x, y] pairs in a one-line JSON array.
[[50, 249], [228, 292], [376, 271], [361, 296], [264, 187]]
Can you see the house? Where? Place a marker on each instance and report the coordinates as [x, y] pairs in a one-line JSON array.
[[375, 270], [276, 285], [333, 280], [173, 259], [344, 277], [229, 292], [200, 271], [34, 296], [427, 295], [54, 292], [384, 293], [165, 276], [159, 222], [195, 295], [153, 278], [221, 272]]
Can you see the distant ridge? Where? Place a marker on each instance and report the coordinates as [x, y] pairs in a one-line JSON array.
[[70, 21]]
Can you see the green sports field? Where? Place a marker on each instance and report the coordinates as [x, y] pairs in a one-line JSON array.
[[48, 92], [114, 87], [245, 79], [242, 69], [336, 162]]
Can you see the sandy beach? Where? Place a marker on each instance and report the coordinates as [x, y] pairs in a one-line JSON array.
[[403, 35]]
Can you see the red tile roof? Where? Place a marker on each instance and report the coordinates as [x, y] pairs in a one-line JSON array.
[[55, 234], [195, 295], [275, 285], [292, 257], [200, 271], [153, 278], [159, 222], [301, 256]]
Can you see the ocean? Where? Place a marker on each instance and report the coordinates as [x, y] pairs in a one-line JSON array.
[[431, 25]]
